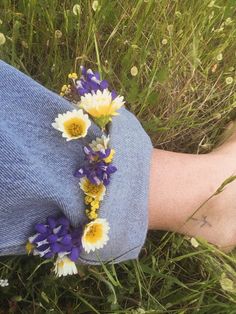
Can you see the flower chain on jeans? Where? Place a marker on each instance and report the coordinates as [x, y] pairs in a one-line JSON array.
[[57, 239]]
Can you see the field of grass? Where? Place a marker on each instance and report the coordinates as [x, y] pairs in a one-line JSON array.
[[174, 61]]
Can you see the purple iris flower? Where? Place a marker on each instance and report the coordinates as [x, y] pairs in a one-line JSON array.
[[57, 236], [90, 82]]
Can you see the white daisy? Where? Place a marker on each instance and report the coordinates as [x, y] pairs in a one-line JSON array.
[[101, 106], [65, 266], [95, 235], [101, 143], [73, 124]]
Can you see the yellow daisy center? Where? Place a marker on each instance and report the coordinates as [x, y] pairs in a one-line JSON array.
[[74, 127], [94, 233]]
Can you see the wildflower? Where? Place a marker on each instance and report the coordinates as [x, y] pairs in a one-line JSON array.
[[194, 242], [88, 199], [96, 191], [219, 57], [91, 214], [228, 21], [226, 283], [101, 106], [229, 80], [72, 76], [2, 39], [164, 41], [64, 266], [90, 83], [95, 235], [55, 237], [109, 158], [134, 71], [76, 9], [4, 283], [73, 124], [97, 170], [101, 143], [57, 34], [211, 4], [65, 90], [95, 5], [29, 247]]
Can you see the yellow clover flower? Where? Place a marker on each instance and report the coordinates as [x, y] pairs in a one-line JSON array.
[[72, 76], [95, 235], [73, 124], [96, 191], [101, 106]]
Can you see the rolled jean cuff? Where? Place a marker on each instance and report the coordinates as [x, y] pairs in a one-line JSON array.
[[125, 204]]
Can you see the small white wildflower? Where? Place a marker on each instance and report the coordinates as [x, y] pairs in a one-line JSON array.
[[228, 21], [170, 28], [226, 283], [194, 242], [2, 39], [211, 4], [65, 266], [164, 41], [134, 71], [229, 80], [76, 9], [95, 5], [219, 57], [178, 13], [58, 34], [4, 283]]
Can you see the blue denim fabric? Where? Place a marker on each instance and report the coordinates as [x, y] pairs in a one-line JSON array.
[[37, 166]]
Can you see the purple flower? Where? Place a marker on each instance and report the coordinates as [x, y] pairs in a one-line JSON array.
[[96, 170], [55, 237], [90, 82]]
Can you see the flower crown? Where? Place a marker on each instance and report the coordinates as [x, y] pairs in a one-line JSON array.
[[57, 239]]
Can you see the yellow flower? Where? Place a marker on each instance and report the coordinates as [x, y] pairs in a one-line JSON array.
[[96, 191], [109, 158], [72, 76], [95, 235], [66, 89], [95, 204], [88, 199], [64, 266], [29, 247], [92, 215], [73, 124], [101, 106]]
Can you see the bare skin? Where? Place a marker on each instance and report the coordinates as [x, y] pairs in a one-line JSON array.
[[180, 183]]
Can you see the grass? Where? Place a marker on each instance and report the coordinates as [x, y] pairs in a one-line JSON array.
[[184, 51]]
